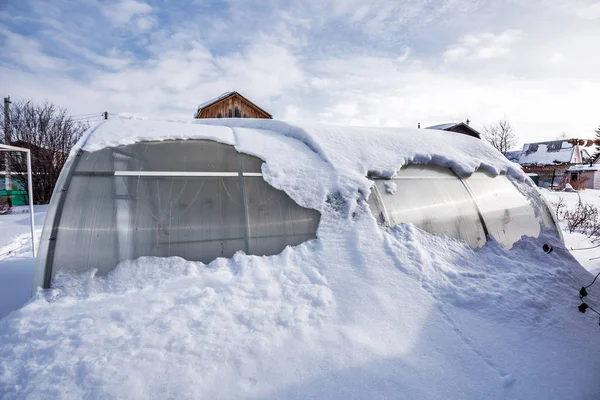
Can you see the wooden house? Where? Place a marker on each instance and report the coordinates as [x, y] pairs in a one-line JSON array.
[[231, 105]]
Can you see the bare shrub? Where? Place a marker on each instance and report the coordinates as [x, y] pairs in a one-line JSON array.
[[576, 218], [50, 133], [584, 218], [560, 206]]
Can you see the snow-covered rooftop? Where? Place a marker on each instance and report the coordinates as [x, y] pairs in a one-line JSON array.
[[513, 155], [214, 100], [548, 153], [443, 126], [584, 167], [360, 312]]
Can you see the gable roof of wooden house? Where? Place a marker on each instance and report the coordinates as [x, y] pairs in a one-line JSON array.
[[224, 106]]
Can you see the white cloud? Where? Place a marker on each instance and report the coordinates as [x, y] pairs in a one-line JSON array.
[[124, 11], [344, 110], [404, 56], [382, 94], [587, 10], [557, 57], [263, 69], [28, 53], [482, 46], [338, 62]]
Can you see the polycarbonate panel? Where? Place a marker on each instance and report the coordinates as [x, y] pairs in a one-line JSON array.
[[275, 220], [249, 163], [507, 214], [87, 238], [173, 207], [434, 199], [195, 218], [179, 155]]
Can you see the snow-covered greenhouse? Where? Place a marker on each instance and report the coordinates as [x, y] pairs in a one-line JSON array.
[[244, 258], [137, 188]]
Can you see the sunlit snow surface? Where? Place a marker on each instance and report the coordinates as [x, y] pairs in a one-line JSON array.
[[360, 312]]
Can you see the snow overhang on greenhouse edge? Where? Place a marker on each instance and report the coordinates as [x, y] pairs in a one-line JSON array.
[[326, 158]]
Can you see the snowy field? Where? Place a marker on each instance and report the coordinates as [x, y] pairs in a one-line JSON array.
[[361, 312], [16, 262]]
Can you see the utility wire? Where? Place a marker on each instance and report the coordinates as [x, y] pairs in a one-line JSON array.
[[583, 307], [88, 119], [571, 249], [84, 115], [81, 119], [585, 287]]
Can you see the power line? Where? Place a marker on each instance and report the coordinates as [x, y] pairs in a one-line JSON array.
[[95, 116], [84, 115], [88, 118], [92, 117]]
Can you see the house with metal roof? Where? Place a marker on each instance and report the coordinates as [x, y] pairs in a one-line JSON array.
[[552, 159], [458, 127]]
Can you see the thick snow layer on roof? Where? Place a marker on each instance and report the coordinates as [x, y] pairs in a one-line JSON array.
[[119, 132], [360, 312], [584, 167], [360, 149], [211, 101]]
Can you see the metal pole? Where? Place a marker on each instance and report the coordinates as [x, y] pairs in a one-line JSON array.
[[30, 190], [7, 140]]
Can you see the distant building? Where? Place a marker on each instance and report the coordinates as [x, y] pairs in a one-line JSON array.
[[230, 105], [552, 159], [513, 155], [458, 127], [585, 176]]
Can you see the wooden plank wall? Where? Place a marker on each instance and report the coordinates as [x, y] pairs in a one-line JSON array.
[[226, 108]]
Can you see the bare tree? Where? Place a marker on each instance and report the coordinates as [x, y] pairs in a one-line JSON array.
[[50, 133], [561, 136], [501, 135]]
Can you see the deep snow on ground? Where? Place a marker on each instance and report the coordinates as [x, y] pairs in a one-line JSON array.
[[16, 262], [586, 250], [360, 312]]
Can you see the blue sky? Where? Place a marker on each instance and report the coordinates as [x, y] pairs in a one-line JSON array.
[[381, 62]]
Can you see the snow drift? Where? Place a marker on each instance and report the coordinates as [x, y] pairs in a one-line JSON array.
[[360, 312]]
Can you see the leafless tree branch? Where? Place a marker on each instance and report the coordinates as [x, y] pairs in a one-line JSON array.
[[501, 135], [50, 133]]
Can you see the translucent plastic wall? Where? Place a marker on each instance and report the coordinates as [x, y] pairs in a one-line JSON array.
[[194, 199], [439, 201]]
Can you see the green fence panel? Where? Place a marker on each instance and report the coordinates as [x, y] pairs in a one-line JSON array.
[[17, 197]]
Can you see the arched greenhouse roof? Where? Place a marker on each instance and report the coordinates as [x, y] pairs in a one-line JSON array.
[[200, 190]]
